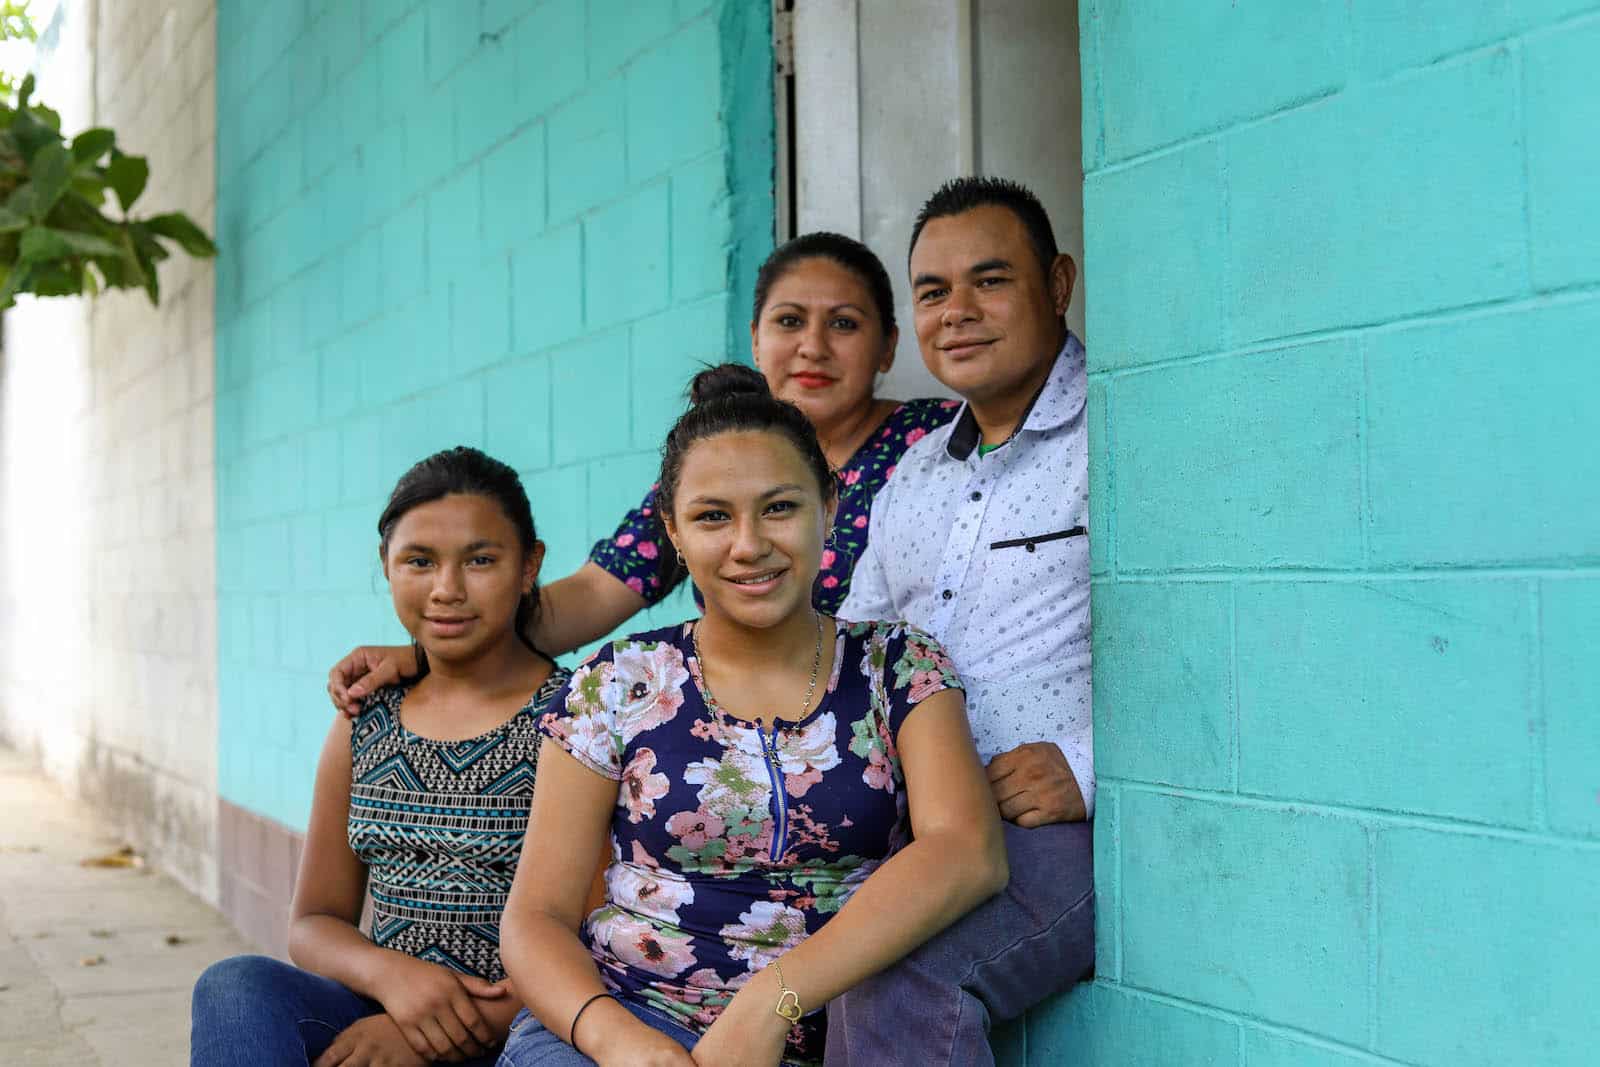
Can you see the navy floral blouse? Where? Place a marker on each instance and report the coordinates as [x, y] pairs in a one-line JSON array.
[[731, 841], [633, 553]]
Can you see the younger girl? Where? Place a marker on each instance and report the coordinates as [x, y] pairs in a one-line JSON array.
[[423, 799]]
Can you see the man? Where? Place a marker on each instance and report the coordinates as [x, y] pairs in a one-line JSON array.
[[979, 538]]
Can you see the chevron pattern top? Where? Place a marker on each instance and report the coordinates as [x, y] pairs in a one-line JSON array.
[[439, 825]]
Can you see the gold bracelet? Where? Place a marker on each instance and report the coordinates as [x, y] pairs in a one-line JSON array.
[[788, 1005]]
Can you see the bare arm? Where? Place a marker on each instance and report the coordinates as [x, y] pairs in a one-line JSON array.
[[583, 607], [539, 942], [956, 861], [432, 1005]]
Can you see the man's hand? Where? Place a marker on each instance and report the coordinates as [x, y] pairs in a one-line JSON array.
[[371, 1042], [1034, 786], [366, 670]]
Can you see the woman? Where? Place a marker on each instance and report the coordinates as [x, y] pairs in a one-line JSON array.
[[823, 328], [424, 799], [813, 821]]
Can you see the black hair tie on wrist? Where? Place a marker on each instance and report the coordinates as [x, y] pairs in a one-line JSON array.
[[572, 1031]]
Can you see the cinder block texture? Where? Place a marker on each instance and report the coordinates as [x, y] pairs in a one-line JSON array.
[[1164, 703], [1341, 325], [471, 231], [1491, 949], [1109, 1026], [1251, 460], [1570, 624], [1277, 55], [1260, 912], [1563, 156], [108, 625], [1399, 695], [1481, 439], [1387, 200]]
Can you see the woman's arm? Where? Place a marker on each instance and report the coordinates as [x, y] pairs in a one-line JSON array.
[[433, 1006], [539, 942], [583, 607], [956, 861]]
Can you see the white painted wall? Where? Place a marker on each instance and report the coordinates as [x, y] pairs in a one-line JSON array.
[[107, 474]]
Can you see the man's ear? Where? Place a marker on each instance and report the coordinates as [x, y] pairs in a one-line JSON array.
[[383, 563], [1063, 273]]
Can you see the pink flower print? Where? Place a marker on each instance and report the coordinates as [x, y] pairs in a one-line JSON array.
[[799, 784], [852, 476], [635, 584], [764, 933], [860, 522], [890, 472], [624, 540], [878, 775], [828, 556], [639, 944], [948, 404], [648, 891], [695, 828], [647, 549], [830, 582], [924, 684], [646, 687], [915, 435], [640, 787]]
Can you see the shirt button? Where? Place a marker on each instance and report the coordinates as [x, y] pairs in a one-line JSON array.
[[976, 495], [1032, 547], [947, 594]]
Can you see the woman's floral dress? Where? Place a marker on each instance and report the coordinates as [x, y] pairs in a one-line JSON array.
[[633, 554], [731, 842]]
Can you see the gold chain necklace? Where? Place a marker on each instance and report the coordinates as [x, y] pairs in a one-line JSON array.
[[811, 688]]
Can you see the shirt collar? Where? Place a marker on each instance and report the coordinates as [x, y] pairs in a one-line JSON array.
[[1058, 401]]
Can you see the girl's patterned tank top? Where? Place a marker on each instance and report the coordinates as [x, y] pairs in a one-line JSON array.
[[439, 825]]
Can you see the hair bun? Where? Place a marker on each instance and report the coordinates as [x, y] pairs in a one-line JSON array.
[[726, 379]]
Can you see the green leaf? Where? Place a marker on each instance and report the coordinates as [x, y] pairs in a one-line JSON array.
[[57, 279], [127, 175], [90, 145], [15, 281], [11, 222], [45, 243], [48, 115], [25, 91], [180, 228], [52, 173]]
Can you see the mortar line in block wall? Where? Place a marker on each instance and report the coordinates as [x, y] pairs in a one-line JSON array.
[[1243, 1020], [1577, 293], [1363, 436], [1374, 944], [1384, 818], [1233, 682], [1520, 108], [1538, 726], [1557, 571]]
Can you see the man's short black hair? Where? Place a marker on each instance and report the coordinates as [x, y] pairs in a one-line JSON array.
[[960, 195]]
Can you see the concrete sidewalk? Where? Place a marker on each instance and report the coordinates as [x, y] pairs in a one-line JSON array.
[[96, 964]]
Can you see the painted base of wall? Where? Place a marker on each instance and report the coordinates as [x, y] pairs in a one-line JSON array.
[[260, 858]]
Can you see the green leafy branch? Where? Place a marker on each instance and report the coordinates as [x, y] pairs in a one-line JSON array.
[[54, 238]]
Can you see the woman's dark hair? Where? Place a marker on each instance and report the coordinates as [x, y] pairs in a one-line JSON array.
[[849, 253], [467, 471], [730, 398]]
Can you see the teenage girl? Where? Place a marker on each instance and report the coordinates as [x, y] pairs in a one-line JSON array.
[[423, 801]]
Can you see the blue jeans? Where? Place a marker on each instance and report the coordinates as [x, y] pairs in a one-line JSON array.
[[1032, 940], [530, 1044], [252, 1011]]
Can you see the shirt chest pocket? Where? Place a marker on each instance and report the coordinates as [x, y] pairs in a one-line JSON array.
[[1033, 543]]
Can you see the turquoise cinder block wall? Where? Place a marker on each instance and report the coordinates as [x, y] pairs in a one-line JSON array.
[[1343, 299], [503, 223]]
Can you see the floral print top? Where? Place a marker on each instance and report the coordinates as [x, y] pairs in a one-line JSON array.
[[733, 841], [633, 553]]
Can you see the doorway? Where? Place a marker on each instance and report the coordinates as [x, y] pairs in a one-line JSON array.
[[888, 98]]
